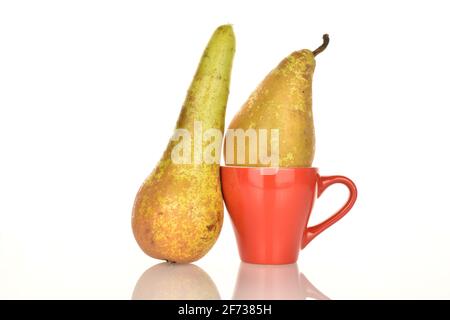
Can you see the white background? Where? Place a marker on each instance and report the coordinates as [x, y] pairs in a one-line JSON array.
[[90, 92]]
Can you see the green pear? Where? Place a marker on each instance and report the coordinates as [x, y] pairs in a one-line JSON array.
[[178, 211], [281, 105]]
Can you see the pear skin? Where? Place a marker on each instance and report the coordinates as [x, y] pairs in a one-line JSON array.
[[178, 211], [283, 101]]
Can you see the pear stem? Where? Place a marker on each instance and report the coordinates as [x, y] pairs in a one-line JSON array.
[[323, 46]]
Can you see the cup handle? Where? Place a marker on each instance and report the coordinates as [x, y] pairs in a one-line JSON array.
[[322, 184]]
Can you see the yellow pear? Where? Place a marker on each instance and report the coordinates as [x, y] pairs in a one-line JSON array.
[[275, 128], [178, 211]]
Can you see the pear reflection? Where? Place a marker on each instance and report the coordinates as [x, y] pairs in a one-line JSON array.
[[168, 281], [274, 282]]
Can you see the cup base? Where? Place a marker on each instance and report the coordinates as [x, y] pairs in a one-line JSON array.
[[269, 262]]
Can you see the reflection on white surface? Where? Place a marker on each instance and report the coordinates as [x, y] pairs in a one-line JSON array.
[[168, 281], [274, 282]]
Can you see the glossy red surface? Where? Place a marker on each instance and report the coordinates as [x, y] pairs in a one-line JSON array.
[[270, 209]]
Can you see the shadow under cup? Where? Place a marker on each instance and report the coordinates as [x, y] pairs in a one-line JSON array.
[[270, 209]]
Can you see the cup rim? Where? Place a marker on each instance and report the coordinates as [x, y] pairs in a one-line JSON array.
[[269, 168]]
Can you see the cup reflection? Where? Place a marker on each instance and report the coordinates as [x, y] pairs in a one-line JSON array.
[[168, 281], [274, 282]]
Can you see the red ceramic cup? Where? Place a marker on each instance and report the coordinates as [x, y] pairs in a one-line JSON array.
[[270, 209]]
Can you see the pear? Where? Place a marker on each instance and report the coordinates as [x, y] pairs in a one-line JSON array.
[[281, 108], [178, 211]]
